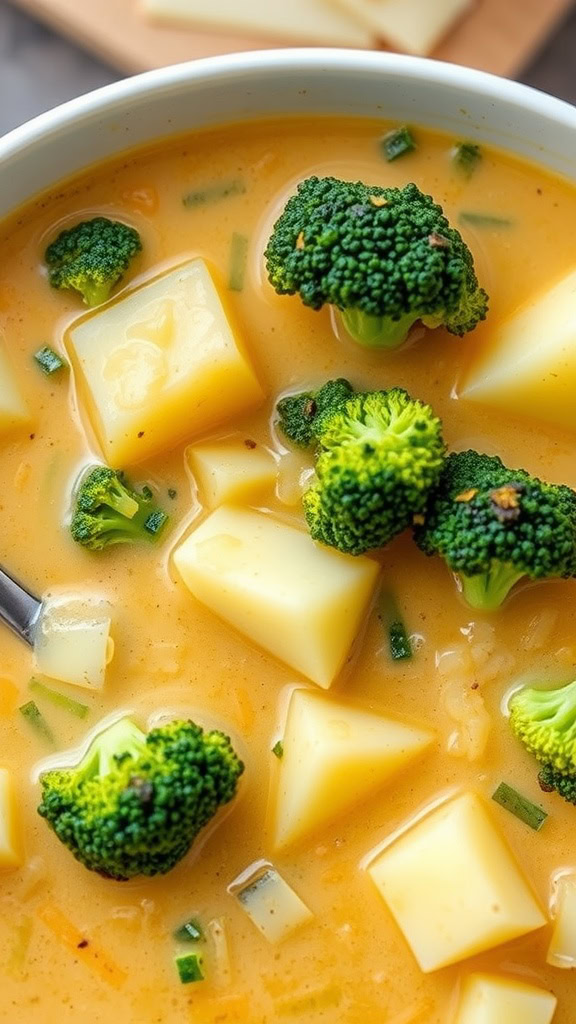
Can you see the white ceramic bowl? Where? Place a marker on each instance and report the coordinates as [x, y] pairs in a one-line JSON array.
[[250, 85]]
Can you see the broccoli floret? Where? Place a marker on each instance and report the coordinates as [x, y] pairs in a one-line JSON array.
[[378, 456], [385, 257], [298, 414], [494, 526], [107, 511], [92, 257], [136, 802], [545, 723]]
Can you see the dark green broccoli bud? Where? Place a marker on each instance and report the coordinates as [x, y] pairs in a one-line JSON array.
[[553, 781], [298, 414], [92, 257], [385, 257], [495, 526], [136, 802], [379, 455], [108, 511]]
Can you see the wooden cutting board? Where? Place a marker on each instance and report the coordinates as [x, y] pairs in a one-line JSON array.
[[498, 35]]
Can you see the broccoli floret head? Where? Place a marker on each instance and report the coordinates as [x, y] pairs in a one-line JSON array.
[[494, 526], [385, 257], [92, 257], [136, 802], [379, 454], [298, 414], [108, 511], [545, 723]]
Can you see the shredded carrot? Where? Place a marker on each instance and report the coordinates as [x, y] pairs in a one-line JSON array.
[[85, 950]]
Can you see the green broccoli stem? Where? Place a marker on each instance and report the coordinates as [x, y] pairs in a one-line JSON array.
[[122, 502], [95, 293], [377, 331], [122, 738], [488, 590]]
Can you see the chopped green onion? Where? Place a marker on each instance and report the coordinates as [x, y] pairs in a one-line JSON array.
[[61, 700], [189, 968], [484, 220], [49, 361], [35, 718], [238, 258], [399, 643], [511, 800], [397, 143], [156, 522], [190, 931], [172, 493], [466, 156], [214, 193], [278, 749]]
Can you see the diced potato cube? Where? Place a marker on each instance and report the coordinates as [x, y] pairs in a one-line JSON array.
[[562, 949], [161, 365], [489, 999], [334, 756], [272, 905], [72, 641], [530, 365], [14, 412], [453, 886], [231, 471], [10, 842], [302, 602]]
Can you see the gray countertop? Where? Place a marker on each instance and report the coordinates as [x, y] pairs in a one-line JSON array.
[[39, 69]]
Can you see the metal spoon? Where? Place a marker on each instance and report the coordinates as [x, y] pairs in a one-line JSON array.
[[19, 609]]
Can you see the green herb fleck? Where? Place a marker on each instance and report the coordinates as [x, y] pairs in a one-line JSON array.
[[190, 931], [278, 749], [60, 700], [484, 220], [172, 493], [511, 800], [237, 264], [399, 644], [214, 193], [466, 157], [189, 968], [398, 143], [49, 361], [35, 718]]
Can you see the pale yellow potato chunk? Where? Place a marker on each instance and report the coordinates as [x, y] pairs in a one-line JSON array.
[[14, 412], [161, 365], [273, 906], [11, 855], [413, 26], [562, 949], [72, 641], [300, 601], [335, 756], [490, 999], [453, 887], [530, 365], [231, 471]]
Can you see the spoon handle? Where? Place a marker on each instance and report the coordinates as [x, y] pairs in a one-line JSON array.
[[19, 609]]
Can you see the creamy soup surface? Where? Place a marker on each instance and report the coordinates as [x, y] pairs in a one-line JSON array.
[[173, 656]]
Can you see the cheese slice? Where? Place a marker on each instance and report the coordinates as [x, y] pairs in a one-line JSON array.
[[304, 21], [415, 26]]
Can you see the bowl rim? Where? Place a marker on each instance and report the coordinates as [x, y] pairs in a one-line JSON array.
[[106, 100]]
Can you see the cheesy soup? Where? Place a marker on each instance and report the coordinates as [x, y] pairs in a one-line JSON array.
[[288, 454]]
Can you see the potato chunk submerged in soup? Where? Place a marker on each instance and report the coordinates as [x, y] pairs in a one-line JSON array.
[[366, 700]]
